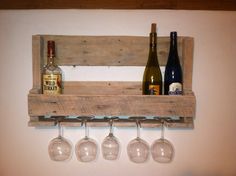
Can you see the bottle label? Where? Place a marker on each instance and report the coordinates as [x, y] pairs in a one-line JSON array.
[[52, 84], [154, 89], [175, 89]]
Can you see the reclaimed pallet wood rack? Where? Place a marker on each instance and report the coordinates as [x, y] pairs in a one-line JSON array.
[[109, 98]]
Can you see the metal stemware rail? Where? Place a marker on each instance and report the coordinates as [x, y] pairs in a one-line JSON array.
[[180, 122]]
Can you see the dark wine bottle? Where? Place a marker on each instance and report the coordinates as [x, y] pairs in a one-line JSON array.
[[152, 78], [173, 73]]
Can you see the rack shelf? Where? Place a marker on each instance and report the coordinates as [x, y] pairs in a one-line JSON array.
[[110, 98]]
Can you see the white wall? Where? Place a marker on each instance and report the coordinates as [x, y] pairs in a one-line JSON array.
[[208, 150]]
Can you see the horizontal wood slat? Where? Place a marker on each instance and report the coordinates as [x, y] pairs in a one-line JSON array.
[[106, 50], [111, 105], [101, 88], [121, 4]]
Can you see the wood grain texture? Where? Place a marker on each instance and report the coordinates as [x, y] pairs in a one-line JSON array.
[[102, 88], [187, 65], [121, 4], [107, 88], [37, 51], [106, 50], [111, 105]]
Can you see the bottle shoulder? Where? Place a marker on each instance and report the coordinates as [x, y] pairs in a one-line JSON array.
[[52, 69], [152, 73], [152, 59], [173, 60]]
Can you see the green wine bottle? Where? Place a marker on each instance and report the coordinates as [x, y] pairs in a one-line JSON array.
[[152, 78]]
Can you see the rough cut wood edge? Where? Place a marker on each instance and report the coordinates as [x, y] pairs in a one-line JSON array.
[[121, 4], [184, 122], [111, 105]]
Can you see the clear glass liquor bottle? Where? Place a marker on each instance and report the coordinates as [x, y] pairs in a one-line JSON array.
[[52, 74]]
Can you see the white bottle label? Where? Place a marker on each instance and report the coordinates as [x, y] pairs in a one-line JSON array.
[[175, 89]]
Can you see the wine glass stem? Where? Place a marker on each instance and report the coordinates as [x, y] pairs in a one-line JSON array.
[[138, 129], [162, 129], [86, 129], [111, 127], [59, 129]]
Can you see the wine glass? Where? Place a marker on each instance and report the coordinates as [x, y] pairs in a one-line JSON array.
[[138, 149], [162, 150], [110, 145], [86, 149], [60, 148]]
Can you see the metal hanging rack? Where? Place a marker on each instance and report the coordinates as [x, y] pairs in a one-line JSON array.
[[153, 122]]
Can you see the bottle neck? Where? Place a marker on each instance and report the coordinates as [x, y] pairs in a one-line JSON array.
[[153, 41], [51, 52], [173, 43], [152, 59], [50, 60]]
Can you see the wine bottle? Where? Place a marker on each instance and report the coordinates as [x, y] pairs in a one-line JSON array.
[[152, 78], [52, 74], [173, 72]]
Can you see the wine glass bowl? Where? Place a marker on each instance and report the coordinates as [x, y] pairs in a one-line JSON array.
[[110, 145], [162, 149], [138, 149], [86, 149], [60, 148]]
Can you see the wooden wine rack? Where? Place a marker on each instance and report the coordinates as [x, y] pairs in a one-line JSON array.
[[109, 98]]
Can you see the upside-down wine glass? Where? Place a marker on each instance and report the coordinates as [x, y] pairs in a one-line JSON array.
[[60, 148], [138, 149], [110, 145], [162, 149], [86, 149]]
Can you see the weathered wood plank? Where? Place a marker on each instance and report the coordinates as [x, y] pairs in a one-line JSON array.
[[37, 51], [111, 105], [101, 88], [107, 88], [107, 50], [121, 4], [187, 65]]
